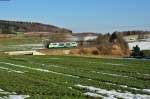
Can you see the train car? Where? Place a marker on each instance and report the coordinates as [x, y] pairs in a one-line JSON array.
[[62, 44], [71, 44]]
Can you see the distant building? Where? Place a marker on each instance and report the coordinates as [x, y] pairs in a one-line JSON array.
[[87, 38], [83, 37], [131, 38]]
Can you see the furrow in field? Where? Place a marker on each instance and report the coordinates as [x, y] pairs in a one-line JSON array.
[[90, 78], [110, 74], [118, 64], [39, 69], [43, 70], [108, 63], [143, 74], [51, 65], [124, 86], [54, 58], [11, 70], [113, 64], [103, 73]]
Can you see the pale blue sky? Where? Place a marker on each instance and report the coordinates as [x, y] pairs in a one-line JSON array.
[[81, 15]]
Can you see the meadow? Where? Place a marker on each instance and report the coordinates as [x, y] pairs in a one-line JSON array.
[[68, 77], [20, 43]]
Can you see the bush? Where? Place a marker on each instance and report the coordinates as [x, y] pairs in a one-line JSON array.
[[104, 49], [95, 52]]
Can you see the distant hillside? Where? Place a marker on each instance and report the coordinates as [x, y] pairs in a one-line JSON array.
[[7, 27], [128, 33]]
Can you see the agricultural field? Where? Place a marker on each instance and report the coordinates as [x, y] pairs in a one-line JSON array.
[[67, 77], [21, 43]]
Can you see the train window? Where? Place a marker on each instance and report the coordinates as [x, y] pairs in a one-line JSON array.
[[54, 43], [61, 44], [67, 43]]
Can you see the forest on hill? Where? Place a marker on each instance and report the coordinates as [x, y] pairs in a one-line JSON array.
[[11, 27], [128, 33]]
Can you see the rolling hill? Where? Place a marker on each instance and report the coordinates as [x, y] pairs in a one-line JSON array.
[[7, 27]]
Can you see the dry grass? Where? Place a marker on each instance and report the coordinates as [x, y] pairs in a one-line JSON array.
[[114, 50]]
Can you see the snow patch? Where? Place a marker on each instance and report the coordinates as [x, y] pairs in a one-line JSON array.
[[112, 94], [10, 70], [39, 69], [5, 92], [54, 58], [143, 74], [114, 64], [124, 86], [1, 90], [12, 95], [142, 45], [18, 96], [47, 65], [52, 65], [70, 87], [57, 66], [146, 90], [116, 75], [92, 94], [64, 74]]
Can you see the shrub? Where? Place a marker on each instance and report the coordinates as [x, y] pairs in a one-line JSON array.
[[104, 49]]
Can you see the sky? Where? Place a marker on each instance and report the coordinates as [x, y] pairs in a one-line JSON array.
[[101, 16]]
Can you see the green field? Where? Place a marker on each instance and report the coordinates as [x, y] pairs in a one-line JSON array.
[[62, 77], [13, 44]]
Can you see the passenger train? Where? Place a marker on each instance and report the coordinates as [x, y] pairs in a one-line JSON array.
[[62, 44]]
